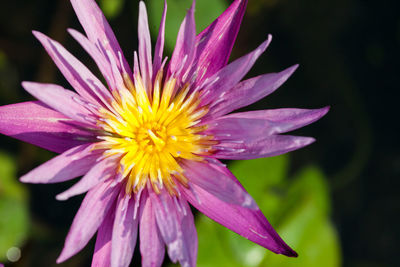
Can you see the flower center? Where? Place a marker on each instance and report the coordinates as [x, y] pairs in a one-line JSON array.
[[150, 136]]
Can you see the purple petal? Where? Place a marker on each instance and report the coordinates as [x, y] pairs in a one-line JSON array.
[[66, 166], [100, 172], [63, 100], [215, 43], [102, 249], [249, 91], [90, 216], [35, 123], [226, 78], [158, 52], [248, 223], [217, 182], [101, 61], [176, 225], [81, 79], [163, 205], [99, 31], [185, 49], [144, 47], [151, 245], [260, 147], [184, 249], [261, 123], [124, 232]]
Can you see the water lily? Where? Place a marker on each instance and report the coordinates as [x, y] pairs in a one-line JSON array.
[[148, 141]]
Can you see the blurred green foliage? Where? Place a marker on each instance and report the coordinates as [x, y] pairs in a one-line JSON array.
[[298, 207], [14, 219], [206, 11], [111, 8]]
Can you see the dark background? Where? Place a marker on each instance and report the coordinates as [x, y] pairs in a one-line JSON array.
[[348, 51]]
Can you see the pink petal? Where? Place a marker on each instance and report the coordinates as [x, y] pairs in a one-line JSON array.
[[184, 249], [35, 123], [217, 182], [144, 47], [261, 147], [248, 223], [64, 101], [66, 166], [253, 124], [100, 172], [158, 52], [124, 232], [249, 91], [101, 61], [185, 49], [163, 205], [90, 216], [176, 225], [81, 79], [151, 245], [99, 31], [226, 78], [102, 249], [215, 43]]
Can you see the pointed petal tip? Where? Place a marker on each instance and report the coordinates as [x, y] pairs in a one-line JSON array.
[[30, 86], [34, 32], [24, 179], [38, 35], [262, 47], [62, 257], [305, 141], [325, 110], [317, 114], [292, 69], [62, 197], [266, 43], [71, 31], [293, 254], [287, 73], [27, 83], [29, 179], [289, 252]]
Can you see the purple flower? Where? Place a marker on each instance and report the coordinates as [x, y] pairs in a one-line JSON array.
[[148, 142]]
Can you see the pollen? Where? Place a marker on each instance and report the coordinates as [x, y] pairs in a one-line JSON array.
[[151, 133]]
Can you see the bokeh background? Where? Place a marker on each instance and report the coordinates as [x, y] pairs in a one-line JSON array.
[[335, 202]]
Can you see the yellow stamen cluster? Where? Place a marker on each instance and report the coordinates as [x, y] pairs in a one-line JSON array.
[[152, 134]]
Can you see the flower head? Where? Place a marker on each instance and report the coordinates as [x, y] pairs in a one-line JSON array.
[[148, 142]]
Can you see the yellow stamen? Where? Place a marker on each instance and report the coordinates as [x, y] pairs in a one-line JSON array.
[[152, 134]]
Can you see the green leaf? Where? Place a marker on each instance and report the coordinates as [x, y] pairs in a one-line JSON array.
[[263, 179], [301, 217], [212, 244], [111, 8], [258, 174], [14, 215], [309, 183], [311, 235], [219, 246], [206, 12], [305, 225]]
